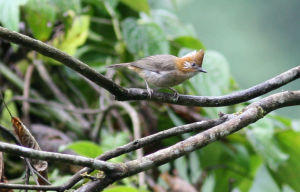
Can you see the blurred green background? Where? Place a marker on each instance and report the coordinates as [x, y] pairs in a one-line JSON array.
[[260, 39]]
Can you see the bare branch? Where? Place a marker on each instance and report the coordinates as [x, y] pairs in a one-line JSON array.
[[136, 144], [50, 156], [30, 187], [248, 115], [124, 94]]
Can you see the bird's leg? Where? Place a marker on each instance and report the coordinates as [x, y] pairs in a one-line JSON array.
[[176, 94], [149, 90]]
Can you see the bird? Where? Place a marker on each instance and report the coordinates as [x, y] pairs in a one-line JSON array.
[[166, 71]]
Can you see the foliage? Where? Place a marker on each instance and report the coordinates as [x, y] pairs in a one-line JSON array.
[[262, 157]]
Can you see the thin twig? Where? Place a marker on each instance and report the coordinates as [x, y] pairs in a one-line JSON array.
[[136, 134], [58, 94], [26, 92], [57, 105], [198, 126]]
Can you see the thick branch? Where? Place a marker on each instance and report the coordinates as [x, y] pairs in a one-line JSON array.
[[249, 115], [51, 156], [123, 94]]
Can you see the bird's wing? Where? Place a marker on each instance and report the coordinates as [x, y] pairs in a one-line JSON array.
[[156, 63]]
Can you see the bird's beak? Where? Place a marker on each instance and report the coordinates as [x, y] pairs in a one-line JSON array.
[[201, 70]]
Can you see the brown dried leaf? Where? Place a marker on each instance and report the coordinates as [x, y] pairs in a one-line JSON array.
[[27, 140]]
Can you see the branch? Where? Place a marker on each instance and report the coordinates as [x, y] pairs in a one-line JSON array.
[[139, 143], [30, 187], [248, 115], [235, 122], [124, 94], [51, 156]]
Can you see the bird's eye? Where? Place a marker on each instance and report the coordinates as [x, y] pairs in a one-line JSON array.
[[194, 64]]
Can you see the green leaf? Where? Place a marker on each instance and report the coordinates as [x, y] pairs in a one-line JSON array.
[[46, 14], [84, 148], [73, 38], [10, 13], [289, 171], [264, 181], [261, 136], [144, 39], [138, 5], [296, 125], [111, 141], [189, 42], [121, 189], [286, 122], [181, 165], [5, 118], [169, 23], [194, 164], [63, 6]]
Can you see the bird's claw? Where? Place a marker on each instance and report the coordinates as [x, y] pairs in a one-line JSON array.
[[150, 92], [175, 96]]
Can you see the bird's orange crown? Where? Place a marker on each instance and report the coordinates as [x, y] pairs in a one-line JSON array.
[[185, 63]]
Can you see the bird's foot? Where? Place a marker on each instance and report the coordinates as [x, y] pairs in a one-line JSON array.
[[175, 96], [150, 92]]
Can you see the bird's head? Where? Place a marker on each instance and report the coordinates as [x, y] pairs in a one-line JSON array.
[[192, 62]]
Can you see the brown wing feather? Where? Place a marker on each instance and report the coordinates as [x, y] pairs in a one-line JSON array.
[[156, 63]]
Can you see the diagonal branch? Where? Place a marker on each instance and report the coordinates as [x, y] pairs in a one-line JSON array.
[[248, 115], [235, 122], [51, 156], [124, 94]]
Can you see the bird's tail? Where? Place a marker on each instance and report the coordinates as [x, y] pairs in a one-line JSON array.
[[118, 65]]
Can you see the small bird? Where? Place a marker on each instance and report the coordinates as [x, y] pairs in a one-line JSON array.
[[166, 71]]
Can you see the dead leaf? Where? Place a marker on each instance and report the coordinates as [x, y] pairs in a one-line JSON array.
[[27, 140]]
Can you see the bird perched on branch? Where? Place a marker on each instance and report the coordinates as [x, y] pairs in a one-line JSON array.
[[166, 71]]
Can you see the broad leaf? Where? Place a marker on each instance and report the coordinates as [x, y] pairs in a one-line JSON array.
[[264, 181], [169, 23], [5, 118], [10, 13], [189, 42], [144, 38], [138, 5], [84, 148], [41, 27], [74, 37], [261, 136], [289, 171]]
